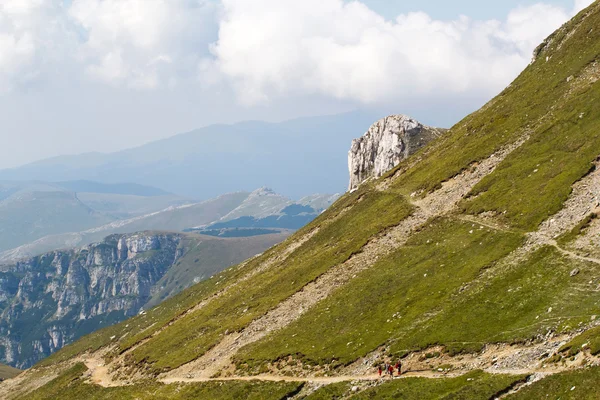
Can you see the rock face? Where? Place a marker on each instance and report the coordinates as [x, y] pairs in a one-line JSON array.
[[48, 301], [388, 142]]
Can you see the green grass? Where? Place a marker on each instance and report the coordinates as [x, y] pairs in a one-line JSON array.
[[589, 340], [574, 233], [394, 302], [195, 333], [534, 181], [390, 298], [333, 391], [472, 386], [205, 257], [71, 385], [576, 385], [7, 372], [518, 303]]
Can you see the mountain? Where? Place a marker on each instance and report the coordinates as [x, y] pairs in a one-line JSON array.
[[387, 142], [232, 209], [33, 210], [219, 159], [475, 263], [130, 189], [49, 300], [266, 211]]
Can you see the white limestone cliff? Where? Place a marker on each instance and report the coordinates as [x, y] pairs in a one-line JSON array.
[[386, 143]]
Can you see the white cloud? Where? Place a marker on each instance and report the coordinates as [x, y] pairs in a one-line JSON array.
[[32, 35], [267, 49], [133, 42], [581, 4], [272, 48]]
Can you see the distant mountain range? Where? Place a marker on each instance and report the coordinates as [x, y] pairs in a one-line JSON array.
[[36, 217], [296, 157]]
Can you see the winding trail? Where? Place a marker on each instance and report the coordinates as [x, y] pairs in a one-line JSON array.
[[440, 202], [211, 365]]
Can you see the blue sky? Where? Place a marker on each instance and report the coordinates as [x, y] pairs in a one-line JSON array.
[[104, 75], [476, 9]]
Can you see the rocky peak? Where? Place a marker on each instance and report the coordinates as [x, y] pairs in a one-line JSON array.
[[387, 142], [263, 191]]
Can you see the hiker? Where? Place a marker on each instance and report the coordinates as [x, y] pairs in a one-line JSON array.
[[379, 370], [391, 370], [399, 367]]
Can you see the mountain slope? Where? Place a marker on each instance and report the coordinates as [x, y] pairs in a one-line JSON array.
[[33, 210], [7, 372], [50, 300], [32, 214], [223, 158], [479, 252]]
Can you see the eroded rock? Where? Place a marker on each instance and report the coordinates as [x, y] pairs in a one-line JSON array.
[[388, 142]]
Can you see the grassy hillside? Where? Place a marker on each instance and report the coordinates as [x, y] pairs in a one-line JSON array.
[[477, 253], [206, 256], [7, 372]]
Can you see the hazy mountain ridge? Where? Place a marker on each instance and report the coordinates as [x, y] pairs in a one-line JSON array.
[[223, 158], [261, 203], [31, 211]]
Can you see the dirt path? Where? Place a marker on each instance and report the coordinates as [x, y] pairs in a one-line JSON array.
[[573, 254], [495, 359], [582, 202], [316, 379], [98, 371], [438, 203]]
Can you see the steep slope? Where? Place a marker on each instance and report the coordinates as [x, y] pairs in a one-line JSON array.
[[50, 300], [479, 252], [223, 158], [7, 372]]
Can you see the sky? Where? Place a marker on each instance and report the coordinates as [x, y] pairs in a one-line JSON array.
[[103, 75]]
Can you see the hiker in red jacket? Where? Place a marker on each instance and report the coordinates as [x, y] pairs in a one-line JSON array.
[[391, 370], [379, 370], [399, 367]]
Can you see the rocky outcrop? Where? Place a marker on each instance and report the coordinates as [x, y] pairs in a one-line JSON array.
[[48, 301], [388, 142]]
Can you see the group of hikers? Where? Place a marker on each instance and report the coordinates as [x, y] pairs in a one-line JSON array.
[[388, 369]]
